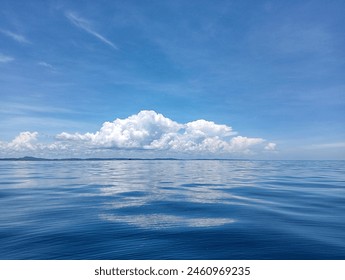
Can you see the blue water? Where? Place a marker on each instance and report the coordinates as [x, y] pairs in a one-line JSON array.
[[172, 209]]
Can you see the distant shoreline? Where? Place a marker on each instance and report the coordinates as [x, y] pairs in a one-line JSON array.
[[104, 159], [79, 159], [28, 158]]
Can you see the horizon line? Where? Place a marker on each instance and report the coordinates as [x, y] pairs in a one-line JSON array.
[[30, 158]]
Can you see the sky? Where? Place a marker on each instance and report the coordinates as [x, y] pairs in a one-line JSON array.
[[191, 79]]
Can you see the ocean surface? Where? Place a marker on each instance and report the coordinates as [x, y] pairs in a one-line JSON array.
[[172, 209]]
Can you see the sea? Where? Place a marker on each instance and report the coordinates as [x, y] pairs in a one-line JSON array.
[[172, 210]]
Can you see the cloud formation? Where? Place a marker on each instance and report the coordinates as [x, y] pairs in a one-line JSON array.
[[149, 130], [5, 58], [24, 141], [146, 131], [17, 37], [46, 65], [86, 26]]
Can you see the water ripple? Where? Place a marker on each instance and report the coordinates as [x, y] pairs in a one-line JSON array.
[[213, 209]]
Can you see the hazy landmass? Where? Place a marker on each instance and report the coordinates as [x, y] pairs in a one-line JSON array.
[[29, 158]]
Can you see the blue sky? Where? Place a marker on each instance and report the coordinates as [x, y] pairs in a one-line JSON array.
[[252, 79]]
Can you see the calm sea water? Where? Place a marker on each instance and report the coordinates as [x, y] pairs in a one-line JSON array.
[[155, 209]]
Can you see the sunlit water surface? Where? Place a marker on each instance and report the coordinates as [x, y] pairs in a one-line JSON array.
[[172, 209]]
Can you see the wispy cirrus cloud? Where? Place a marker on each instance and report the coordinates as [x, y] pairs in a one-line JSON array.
[[86, 26], [22, 108], [17, 37], [46, 65], [5, 58], [334, 145]]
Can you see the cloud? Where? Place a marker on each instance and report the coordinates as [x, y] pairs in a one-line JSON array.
[[17, 37], [24, 141], [46, 65], [5, 58], [335, 145], [270, 146], [135, 132], [27, 142], [86, 26], [149, 130]]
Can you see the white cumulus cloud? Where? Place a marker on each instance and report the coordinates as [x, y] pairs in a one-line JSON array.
[[270, 146], [137, 131], [25, 140], [28, 143], [149, 130]]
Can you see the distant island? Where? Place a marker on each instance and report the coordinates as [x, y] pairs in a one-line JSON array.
[[29, 158]]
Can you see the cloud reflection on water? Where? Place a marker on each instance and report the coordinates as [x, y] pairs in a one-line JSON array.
[[185, 197], [160, 221]]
